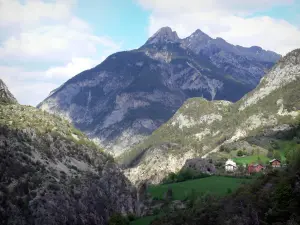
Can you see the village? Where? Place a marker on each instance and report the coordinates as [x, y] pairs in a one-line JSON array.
[[252, 168]]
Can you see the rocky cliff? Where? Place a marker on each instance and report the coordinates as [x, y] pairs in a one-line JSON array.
[[200, 127], [128, 96], [52, 174]]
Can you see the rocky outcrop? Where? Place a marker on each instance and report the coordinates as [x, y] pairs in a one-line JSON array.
[[200, 165], [124, 99], [199, 128], [52, 174], [5, 95]]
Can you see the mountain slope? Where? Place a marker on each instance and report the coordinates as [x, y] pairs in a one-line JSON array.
[[200, 127], [124, 99], [52, 174]]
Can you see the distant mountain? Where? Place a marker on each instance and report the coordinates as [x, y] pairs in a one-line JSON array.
[[201, 127], [5, 95], [129, 95], [52, 174]]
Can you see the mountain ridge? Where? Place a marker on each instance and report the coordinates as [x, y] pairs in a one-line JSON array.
[[130, 94], [201, 127]]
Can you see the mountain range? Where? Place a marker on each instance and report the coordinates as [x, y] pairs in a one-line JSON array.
[[124, 99]]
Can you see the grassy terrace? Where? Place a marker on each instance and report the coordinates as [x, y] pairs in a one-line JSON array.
[[216, 185]]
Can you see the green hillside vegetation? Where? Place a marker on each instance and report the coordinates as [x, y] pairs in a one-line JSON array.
[[252, 159], [216, 185], [22, 117], [274, 198]]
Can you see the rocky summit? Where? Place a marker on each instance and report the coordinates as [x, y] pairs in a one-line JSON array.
[[52, 174], [5, 95], [124, 99], [202, 128]]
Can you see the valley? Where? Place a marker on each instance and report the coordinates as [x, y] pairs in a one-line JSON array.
[[183, 131]]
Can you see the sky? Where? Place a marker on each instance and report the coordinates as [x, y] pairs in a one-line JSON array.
[[43, 43]]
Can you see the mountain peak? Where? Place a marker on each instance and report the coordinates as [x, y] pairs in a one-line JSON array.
[[5, 95], [292, 57], [198, 33], [163, 35]]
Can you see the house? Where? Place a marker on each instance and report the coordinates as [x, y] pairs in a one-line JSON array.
[[230, 165], [255, 168], [275, 163]]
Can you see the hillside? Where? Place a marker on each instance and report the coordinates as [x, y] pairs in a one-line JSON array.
[[200, 127], [52, 174], [129, 95], [272, 199]]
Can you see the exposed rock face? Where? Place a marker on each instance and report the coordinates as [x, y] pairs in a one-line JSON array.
[[52, 174], [200, 165], [5, 95], [129, 95], [200, 127]]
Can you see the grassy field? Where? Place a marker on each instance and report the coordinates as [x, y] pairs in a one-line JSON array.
[[251, 159], [214, 184]]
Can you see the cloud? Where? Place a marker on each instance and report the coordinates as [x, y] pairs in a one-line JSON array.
[[226, 19], [55, 43], [31, 87], [42, 33], [14, 13]]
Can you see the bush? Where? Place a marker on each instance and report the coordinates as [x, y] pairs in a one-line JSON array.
[[118, 219], [240, 153], [183, 175]]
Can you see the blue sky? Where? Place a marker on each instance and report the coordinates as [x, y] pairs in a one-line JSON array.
[[43, 43], [125, 21]]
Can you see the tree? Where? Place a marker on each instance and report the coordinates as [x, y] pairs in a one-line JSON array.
[[239, 153], [118, 219], [277, 155], [270, 153]]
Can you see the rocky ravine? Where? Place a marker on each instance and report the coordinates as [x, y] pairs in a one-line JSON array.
[[128, 96], [52, 174], [200, 127]]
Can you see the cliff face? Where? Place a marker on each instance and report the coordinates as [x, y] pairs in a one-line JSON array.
[[128, 96], [52, 174], [200, 127]]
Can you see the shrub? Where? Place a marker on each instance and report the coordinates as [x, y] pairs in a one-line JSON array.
[[240, 153], [118, 219]]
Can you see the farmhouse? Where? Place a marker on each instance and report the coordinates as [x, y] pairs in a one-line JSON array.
[[275, 163], [255, 168], [230, 165]]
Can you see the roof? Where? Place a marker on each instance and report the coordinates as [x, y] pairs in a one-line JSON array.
[[230, 162], [273, 160], [230, 165]]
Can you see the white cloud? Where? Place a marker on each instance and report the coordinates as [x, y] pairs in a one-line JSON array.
[[31, 87], [13, 12], [55, 43], [226, 19], [72, 68], [47, 33]]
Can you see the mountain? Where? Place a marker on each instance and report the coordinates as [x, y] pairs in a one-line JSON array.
[[52, 174], [202, 128], [129, 95], [5, 95]]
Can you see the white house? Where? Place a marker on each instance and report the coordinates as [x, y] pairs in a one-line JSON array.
[[230, 165]]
